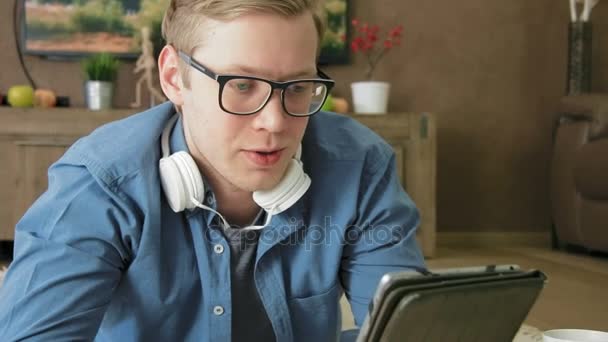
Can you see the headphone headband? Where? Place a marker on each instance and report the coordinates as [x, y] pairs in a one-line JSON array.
[[164, 139]]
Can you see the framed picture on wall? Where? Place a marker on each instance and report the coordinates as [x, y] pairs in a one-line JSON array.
[[334, 46], [76, 28]]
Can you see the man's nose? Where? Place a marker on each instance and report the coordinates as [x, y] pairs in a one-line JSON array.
[[272, 117]]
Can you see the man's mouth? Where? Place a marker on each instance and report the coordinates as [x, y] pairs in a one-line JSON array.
[[264, 157]]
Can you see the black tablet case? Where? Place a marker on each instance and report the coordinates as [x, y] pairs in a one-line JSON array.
[[481, 306]]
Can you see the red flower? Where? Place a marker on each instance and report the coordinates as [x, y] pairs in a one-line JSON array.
[[366, 40], [396, 31]]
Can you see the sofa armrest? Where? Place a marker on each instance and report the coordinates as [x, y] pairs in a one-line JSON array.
[[587, 107]]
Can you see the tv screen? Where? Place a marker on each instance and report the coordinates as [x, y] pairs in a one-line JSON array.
[[64, 28], [76, 28], [334, 47]]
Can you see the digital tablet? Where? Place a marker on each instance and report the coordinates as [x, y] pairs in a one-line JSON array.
[[485, 303]]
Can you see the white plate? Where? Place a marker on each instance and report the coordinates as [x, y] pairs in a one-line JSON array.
[[574, 335]]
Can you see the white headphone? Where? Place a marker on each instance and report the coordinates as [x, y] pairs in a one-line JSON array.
[[184, 188]]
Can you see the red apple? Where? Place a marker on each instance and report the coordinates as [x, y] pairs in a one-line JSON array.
[[44, 98]]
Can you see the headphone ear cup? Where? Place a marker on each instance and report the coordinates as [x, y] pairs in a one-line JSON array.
[[181, 181], [172, 184], [290, 189]]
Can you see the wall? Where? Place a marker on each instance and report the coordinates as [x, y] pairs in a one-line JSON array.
[[491, 70]]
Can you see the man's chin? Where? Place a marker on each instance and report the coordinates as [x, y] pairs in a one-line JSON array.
[[265, 185], [261, 183], [265, 180]]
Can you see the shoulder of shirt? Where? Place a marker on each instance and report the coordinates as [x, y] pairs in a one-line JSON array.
[[338, 137], [123, 147]]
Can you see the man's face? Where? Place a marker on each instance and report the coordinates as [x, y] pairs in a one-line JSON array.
[[249, 152]]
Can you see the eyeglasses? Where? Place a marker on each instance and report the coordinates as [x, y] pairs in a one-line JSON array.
[[245, 95]]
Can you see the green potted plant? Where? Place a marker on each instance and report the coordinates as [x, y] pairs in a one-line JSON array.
[[100, 71]]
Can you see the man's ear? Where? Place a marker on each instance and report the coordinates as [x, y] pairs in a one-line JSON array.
[[170, 78]]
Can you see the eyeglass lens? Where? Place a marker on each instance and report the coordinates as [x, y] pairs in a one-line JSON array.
[[245, 96]]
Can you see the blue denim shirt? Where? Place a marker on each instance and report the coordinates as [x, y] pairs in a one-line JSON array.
[[100, 255]]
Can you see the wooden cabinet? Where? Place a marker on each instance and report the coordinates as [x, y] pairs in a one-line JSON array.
[[32, 139], [413, 137]]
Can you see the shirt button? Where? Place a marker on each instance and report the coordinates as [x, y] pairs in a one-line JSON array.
[[218, 310], [214, 235], [218, 249], [211, 200]]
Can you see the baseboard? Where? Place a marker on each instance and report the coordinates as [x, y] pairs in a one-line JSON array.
[[494, 239]]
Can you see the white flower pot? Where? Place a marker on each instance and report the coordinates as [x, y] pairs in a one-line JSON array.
[[370, 97]]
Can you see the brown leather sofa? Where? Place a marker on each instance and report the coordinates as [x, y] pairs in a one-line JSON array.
[[579, 173]]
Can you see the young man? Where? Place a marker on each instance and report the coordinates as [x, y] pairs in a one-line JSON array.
[[233, 235]]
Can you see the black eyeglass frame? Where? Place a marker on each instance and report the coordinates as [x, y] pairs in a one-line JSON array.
[[222, 79]]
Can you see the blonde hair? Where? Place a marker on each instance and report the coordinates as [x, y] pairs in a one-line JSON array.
[[183, 18]]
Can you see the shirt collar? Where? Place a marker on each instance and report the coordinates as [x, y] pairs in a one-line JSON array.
[[178, 139]]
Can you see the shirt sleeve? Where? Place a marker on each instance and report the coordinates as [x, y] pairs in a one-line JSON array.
[[382, 238], [68, 259]]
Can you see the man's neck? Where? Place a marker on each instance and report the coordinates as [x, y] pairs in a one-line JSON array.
[[237, 207]]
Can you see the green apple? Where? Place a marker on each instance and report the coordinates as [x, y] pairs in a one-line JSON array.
[[20, 96], [328, 105]]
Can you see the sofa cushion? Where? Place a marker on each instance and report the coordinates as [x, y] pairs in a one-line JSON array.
[[593, 225], [591, 170]]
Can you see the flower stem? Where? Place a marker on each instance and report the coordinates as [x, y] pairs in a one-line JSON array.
[[370, 67], [372, 62], [379, 56]]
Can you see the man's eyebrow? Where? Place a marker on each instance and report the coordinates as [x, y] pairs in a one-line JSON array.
[[238, 68]]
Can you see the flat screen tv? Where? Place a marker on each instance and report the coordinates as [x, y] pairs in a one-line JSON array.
[[334, 46], [77, 28]]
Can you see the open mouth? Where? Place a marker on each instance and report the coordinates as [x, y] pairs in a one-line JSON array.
[[264, 158]]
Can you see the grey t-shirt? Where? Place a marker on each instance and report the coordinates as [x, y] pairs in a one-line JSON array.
[[250, 321]]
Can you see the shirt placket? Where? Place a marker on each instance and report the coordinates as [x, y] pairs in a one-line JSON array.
[[268, 272], [213, 260]]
